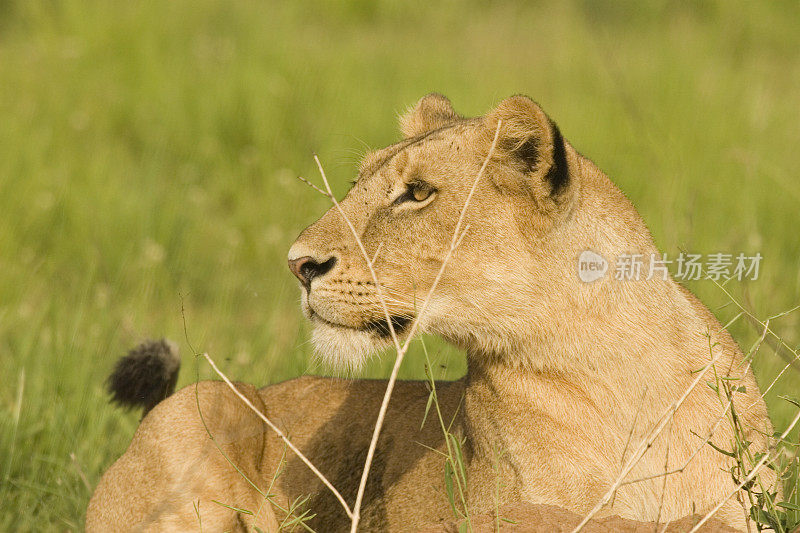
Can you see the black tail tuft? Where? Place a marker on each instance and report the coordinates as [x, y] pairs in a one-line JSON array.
[[146, 375]]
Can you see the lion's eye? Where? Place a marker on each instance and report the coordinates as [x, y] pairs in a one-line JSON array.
[[415, 192]]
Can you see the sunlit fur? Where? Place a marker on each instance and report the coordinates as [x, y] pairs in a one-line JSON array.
[[565, 379], [344, 350], [511, 298]]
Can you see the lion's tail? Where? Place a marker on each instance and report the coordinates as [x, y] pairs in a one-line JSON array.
[[145, 376]]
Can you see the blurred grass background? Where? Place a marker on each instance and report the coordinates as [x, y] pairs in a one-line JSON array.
[[148, 155]]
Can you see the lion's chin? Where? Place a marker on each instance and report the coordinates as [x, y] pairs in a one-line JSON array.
[[344, 349]]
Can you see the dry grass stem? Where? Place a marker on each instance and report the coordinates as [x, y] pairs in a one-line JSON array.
[[646, 444], [458, 235], [401, 348], [280, 434]]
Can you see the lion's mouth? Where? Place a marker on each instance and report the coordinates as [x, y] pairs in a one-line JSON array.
[[379, 327]]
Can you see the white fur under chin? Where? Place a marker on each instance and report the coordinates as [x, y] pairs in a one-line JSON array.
[[343, 349]]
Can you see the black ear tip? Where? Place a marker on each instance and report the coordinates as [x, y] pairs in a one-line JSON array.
[[146, 375], [529, 151], [558, 175]]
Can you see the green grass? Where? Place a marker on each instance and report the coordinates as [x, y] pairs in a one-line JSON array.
[[148, 152]]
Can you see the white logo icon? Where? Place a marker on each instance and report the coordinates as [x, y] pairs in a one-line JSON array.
[[591, 266]]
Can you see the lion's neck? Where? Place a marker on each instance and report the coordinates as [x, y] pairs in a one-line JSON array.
[[586, 355], [589, 370]]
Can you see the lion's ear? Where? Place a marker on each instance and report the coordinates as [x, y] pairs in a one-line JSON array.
[[431, 112], [530, 140]]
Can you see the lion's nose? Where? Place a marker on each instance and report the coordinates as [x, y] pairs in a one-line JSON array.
[[307, 268]]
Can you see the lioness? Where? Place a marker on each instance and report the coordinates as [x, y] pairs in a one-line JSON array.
[[566, 378]]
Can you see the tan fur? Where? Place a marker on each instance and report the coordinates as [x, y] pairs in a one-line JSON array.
[[557, 367]]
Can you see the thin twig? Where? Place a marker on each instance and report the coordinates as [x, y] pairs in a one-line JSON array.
[[280, 434], [363, 251], [458, 235], [323, 193], [260, 415]]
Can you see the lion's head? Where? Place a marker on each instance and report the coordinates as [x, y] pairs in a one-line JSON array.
[[405, 206]]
